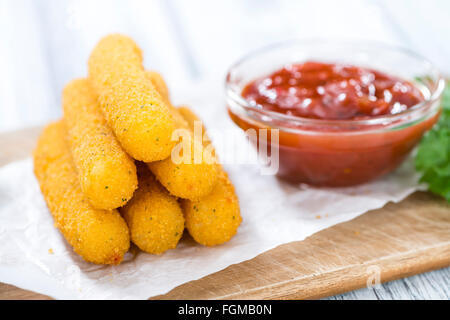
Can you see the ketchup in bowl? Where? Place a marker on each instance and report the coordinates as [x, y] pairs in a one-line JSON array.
[[332, 92], [339, 124]]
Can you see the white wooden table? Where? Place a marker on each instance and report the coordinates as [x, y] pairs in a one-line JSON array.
[[45, 43]]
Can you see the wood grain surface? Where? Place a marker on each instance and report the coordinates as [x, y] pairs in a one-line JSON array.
[[396, 241]]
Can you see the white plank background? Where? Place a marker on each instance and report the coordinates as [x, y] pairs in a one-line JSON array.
[[45, 43]]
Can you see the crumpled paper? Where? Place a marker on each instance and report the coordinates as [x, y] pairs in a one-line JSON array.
[[35, 256]]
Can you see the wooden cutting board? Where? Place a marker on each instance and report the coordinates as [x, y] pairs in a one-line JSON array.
[[396, 241]]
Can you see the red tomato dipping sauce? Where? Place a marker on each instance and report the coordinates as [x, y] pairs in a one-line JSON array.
[[330, 121], [332, 91]]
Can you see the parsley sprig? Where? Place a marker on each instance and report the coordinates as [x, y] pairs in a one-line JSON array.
[[433, 155]]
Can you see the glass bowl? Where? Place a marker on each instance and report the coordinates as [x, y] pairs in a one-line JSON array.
[[337, 152]]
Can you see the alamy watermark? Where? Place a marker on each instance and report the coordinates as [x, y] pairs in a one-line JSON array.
[[195, 147], [374, 277]]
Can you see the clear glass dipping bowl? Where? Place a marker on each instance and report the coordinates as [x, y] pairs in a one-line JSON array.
[[338, 152]]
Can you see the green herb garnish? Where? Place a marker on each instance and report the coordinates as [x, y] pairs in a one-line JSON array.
[[433, 155]]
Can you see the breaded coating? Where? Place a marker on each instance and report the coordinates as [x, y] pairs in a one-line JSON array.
[[154, 217], [161, 87], [106, 173], [98, 236], [132, 106], [215, 218], [189, 179]]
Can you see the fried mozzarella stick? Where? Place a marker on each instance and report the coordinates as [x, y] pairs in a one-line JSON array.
[[132, 106], [154, 217], [161, 87], [98, 236], [187, 178], [215, 218], [107, 175]]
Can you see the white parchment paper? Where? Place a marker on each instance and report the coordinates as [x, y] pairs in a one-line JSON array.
[[35, 256]]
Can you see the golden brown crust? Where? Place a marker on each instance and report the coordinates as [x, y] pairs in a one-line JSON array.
[[130, 103], [154, 217], [215, 218], [188, 179], [106, 173], [99, 236]]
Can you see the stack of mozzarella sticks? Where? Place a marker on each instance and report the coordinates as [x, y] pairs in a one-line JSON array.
[[107, 172]]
